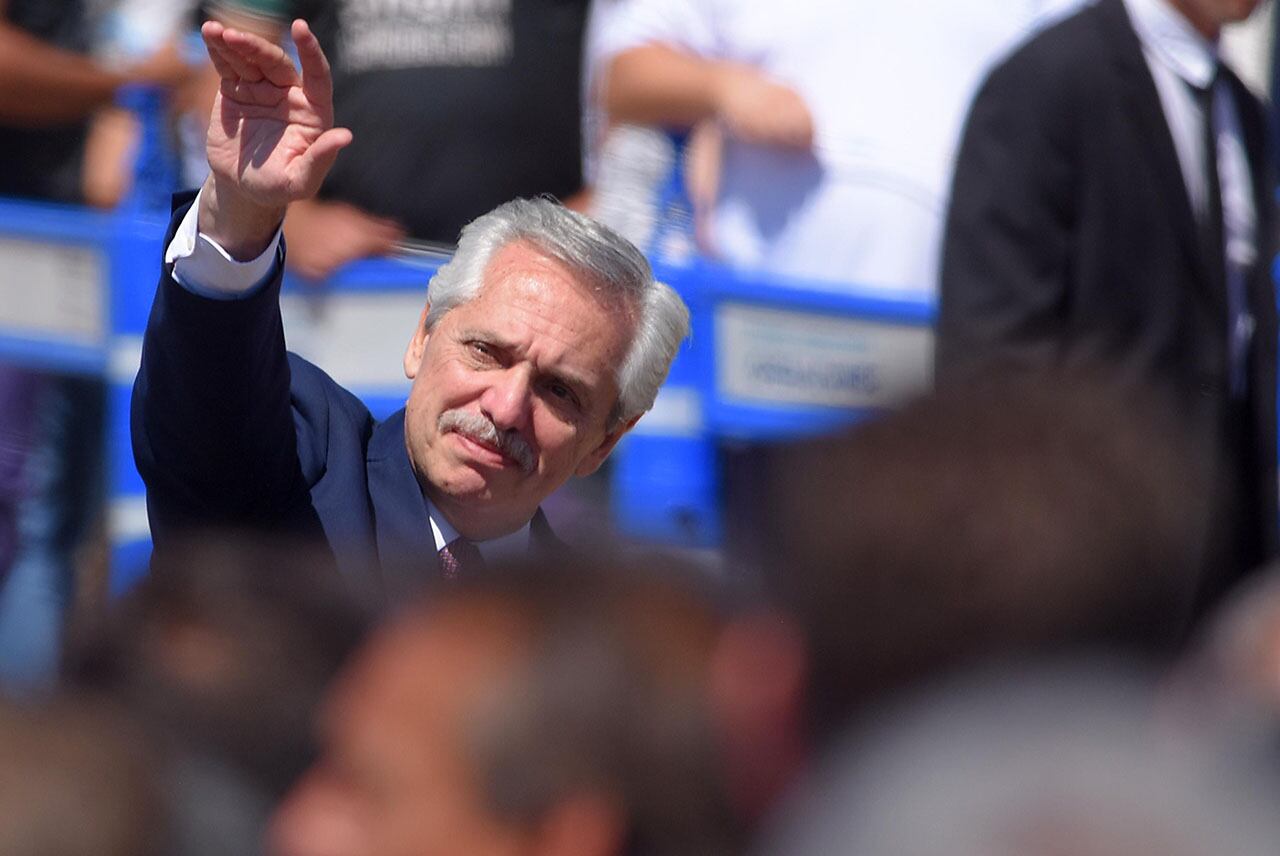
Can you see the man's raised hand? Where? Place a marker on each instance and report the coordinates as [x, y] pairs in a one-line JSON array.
[[271, 136]]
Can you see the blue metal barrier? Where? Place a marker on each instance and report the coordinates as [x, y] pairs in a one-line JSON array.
[[765, 360]]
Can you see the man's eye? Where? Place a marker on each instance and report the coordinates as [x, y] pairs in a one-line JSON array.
[[483, 351], [563, 392]]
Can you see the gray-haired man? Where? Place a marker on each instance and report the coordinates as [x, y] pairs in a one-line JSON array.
[[541, 344]]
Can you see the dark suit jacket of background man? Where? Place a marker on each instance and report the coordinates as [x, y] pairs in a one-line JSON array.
[[229, 430], [1071, 242]]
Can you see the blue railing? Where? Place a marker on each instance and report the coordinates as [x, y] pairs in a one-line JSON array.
[[765, 360]]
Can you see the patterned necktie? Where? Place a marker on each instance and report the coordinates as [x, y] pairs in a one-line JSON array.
[[460, 558]]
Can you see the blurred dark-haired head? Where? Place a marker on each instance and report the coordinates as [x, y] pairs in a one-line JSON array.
[[77, 779], [226, 648], [1013, 518], [541, 709]]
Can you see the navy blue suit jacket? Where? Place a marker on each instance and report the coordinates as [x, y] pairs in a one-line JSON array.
[[230, 430]]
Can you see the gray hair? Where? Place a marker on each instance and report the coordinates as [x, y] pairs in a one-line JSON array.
[[1057, 757], [597, 254]]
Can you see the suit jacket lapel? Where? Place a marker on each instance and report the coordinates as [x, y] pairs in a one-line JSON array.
[[406, 547], [1139, 90], [542, 540]]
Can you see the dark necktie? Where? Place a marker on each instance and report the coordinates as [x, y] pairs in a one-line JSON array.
[[460, 559], [1212, 228], [1213, 231]]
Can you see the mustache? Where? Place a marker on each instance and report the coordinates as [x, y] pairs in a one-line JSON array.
[[478, 428]]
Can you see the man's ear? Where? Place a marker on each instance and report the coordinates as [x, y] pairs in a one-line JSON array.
[[595, 458], [417, 345]]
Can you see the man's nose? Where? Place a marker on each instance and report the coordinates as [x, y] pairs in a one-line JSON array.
[[508, 399]]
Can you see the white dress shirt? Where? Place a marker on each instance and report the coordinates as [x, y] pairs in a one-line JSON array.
[[201, 266], [1178, 55], [504, 546]]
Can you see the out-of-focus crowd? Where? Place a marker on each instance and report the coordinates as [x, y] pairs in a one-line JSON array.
[[1030, 612], [993, 646]]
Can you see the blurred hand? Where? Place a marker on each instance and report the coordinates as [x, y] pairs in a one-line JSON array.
[[165, 67], [756, 109], [323, 236]]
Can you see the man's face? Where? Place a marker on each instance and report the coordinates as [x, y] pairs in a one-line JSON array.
[[395, 777], [512, 392], [1210, 16]]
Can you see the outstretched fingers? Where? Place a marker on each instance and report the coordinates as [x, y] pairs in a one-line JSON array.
[[265, 59], [212, 32], [317, 80], [242, 57]]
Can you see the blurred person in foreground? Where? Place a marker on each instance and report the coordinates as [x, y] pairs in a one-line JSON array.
[[77, 780], [51, 425], [222, 654], [539, 709], [543, 341], [1113, 204], [837, 121], [454, 107], [1060, 759], [1012, 519], [1228, 685]]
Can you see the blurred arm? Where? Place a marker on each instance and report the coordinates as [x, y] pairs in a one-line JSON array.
[[660, 85], [655, 84], [324, 235], [43, 85]]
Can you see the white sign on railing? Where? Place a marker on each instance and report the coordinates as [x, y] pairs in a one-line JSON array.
[[53, 291], [768, 356]]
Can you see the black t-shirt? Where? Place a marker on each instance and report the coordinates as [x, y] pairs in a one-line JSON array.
[[456, 105], [46, 163]]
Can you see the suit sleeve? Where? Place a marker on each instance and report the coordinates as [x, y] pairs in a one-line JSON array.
[[1003, 299], [213, 431]]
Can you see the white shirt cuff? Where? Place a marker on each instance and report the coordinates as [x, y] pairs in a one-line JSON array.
[[203, 267]]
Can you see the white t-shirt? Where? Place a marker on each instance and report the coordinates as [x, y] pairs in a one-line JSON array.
[[888, 86]]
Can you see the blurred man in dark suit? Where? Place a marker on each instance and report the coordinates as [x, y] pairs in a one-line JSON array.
[[1112, 206]]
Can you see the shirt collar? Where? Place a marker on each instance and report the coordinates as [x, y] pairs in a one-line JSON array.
[[516, 543], [1173, 41]]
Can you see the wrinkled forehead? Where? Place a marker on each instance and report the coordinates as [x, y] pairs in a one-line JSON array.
[[522, 276]]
